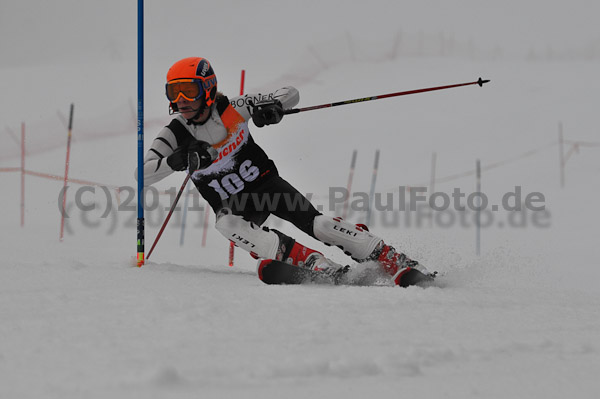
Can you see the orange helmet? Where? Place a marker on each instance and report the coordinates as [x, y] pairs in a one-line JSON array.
[[194, 79]]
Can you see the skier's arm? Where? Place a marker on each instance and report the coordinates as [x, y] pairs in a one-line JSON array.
[[156, 166], [288, 96]]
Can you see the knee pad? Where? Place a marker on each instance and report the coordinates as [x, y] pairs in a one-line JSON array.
[[353, 240], [261, 242]]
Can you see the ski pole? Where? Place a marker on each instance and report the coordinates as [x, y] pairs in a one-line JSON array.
[[479, 82], [64, 198], [169, 215]]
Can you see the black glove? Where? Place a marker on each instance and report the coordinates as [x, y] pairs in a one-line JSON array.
[[200, 155], [178, 160], [267, 113]]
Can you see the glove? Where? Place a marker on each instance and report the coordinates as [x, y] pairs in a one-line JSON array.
[[267, 113], [178, 160], [200, 155]]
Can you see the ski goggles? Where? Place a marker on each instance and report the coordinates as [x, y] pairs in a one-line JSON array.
[[190, 89]]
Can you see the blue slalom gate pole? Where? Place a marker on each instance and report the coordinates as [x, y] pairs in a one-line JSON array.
[[140, 133]]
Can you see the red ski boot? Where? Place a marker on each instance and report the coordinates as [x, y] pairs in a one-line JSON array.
[[303, 256], [404, 271], [307, 264]]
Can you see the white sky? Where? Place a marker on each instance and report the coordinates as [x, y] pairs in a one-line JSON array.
[[36, 31]]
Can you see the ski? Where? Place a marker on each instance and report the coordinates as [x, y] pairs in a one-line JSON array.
[[274, 272]]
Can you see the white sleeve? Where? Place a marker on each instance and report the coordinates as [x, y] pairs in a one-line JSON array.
[[155, 161], [289, 97]]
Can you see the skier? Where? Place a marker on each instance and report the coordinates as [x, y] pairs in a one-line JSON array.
[[210, 139]]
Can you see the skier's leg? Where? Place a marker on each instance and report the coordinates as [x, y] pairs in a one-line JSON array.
[[357, 242], [265, 243], [290, 205], [354, 240], [297, 209], [260, 242], [278, 197]]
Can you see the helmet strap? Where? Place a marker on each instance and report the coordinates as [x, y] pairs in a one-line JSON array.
[[173, 109], [192, 121]]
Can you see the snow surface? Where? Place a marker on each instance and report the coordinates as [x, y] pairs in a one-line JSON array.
[[520, 321]]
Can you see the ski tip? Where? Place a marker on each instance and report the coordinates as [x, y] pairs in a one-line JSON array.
[[480, 82], [409, 277]]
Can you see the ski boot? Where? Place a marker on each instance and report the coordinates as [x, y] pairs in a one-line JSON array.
[[404, 271], [308, 258], [296, 254]]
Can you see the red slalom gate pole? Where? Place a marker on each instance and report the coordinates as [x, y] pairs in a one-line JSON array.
[[231, 244], [479, 82], [242, 82], [64, 199], [22, 174]]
